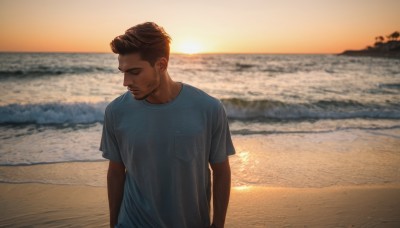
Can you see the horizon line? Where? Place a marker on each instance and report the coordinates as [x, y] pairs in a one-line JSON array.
[[178, 53]]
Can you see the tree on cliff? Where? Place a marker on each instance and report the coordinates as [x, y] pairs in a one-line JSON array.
[[394, 36], [379, 39]]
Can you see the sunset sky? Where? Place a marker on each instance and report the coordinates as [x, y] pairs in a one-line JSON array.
[[227, 26]]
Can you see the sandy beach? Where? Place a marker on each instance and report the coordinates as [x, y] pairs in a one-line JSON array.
[[44, 205], [338, 179]]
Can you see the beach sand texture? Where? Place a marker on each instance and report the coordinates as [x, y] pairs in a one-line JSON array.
[[43, 205]]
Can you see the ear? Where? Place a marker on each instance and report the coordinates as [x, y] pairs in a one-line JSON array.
[[162, 64]]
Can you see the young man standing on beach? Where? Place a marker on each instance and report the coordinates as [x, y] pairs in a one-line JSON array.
[[160, 137]]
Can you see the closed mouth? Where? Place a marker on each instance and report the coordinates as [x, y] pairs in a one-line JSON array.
[[133, 90]]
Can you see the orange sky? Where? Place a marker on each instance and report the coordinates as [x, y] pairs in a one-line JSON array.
[[234, 26]]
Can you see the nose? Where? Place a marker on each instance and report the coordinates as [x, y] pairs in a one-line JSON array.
[[126, 81]]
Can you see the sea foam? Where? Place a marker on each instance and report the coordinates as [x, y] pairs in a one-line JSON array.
[[262, 110], [52, 113]]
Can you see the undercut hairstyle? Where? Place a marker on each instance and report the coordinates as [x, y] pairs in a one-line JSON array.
[[147, 39]]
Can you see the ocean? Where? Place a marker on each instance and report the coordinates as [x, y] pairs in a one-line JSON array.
[[296, 120]]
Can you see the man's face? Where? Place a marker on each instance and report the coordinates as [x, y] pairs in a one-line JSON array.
[[140, 78]]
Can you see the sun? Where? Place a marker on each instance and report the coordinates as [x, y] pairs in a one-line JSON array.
[[189, 47]]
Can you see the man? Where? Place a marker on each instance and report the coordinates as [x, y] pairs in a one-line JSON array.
[[160, 137]]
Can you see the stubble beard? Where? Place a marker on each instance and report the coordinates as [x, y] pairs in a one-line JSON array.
[[143, 97], [155, 84]]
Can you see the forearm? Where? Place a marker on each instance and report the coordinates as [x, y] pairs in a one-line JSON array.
[[221, 193], [115, 187]]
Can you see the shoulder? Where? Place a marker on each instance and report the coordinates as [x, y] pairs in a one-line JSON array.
[[118, 103], [199, 97]]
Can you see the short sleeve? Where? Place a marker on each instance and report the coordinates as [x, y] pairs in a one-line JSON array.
[[108, 144], [221, 141]]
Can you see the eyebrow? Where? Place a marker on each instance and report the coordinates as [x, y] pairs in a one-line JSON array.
[[130, 69]]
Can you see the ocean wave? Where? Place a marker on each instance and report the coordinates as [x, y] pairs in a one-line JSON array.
[[32, 65], [53, 113], [61, 160], [395, 86], [330, 109], [39, 71], [371, 129], [261, 110], [244, 66]]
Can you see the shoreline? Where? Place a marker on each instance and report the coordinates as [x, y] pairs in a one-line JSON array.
[[389, 49], [48, 205], [373, 54], [345, 178], [342, 158]]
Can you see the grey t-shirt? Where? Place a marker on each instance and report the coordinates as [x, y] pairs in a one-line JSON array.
[[166, 149]]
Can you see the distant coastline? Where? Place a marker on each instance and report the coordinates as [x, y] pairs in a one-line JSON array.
[[388, 49]]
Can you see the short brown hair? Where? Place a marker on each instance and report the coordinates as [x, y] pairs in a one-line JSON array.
[[147, 39]]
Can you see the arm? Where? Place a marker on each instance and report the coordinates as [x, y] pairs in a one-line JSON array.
[[115, 187], [221, 191]]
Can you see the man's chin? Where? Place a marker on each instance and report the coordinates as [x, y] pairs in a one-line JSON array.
[[138, 97]]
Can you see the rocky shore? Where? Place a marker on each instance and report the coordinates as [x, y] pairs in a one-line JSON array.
[[389, 49]]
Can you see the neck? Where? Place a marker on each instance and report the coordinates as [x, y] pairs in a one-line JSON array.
[[166, 92]]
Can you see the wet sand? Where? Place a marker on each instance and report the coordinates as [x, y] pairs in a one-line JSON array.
[[338, 179], [49, 205]]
